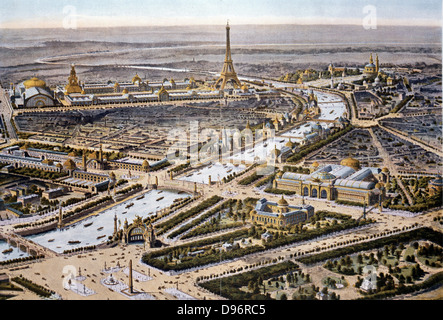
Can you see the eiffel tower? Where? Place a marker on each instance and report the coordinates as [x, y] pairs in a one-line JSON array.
[[228, 72]]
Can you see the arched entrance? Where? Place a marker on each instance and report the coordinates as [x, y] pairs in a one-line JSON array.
[[314, 193], [306, 191], [136, 234], [324, 194], [139, 231]]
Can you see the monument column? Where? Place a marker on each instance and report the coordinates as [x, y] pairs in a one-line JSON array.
[[131, 288]]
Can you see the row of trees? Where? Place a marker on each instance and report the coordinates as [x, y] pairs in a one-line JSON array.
[[230, 287], [21, 259], [41, 174], [129, 188], [416, 234], [200, 219], [36, 288], [170, 223]]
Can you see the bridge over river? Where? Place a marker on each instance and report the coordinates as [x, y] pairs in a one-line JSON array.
[[26, 245]]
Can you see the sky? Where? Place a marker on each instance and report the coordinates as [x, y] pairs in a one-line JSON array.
[[112, 13]]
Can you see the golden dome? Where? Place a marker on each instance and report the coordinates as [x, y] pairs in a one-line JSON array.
[[244, 87], [69, 164], [282, 202], [385, 169], [351, 162], [48, 161], [93, 155], [116, 84], [315, 164], [136, 79], [34, 82], [145, 164], [125, 91]]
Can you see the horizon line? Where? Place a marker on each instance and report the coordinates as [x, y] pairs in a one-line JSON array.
[[216, 24]]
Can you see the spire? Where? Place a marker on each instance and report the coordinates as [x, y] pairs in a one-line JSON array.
[[370, 59], [376, 64], [73, 85], [228, 43], [101, 152], [228, 72]]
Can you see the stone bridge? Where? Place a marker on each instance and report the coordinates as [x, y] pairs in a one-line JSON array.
[[178, 185], [26, 245]]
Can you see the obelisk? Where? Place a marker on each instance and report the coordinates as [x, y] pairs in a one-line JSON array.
[[131, 290]]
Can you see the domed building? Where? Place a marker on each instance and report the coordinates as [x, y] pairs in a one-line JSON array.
[[282, 203], [372, 69], [69, 165], [32, 93], [314, 166], [344, 182], [351, 162], [137, 80], [34, 83], [280, 214], [145, 166], [73, 84]]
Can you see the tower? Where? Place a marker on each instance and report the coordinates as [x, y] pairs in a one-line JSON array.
[[376, 64], [100, 155], [228, 72], [115, 224], [73, 86], [84, 161], [60, 218], [131, 288]]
